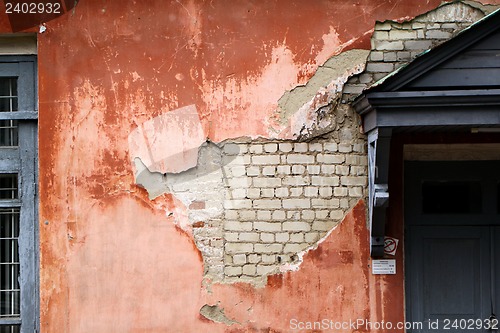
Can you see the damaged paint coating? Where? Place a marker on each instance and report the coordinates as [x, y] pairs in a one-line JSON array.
[[255, 207], [127, 265], [337, 267], [294, 266], [170, 141], [310, 109], [201, 193], [334, 69], [413, 38], [216, 314]]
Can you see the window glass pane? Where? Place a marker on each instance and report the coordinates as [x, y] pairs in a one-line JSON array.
[[498, 198], [9, 263], [8, 103], [8, 86], [451, 197], [10, 329], [8, 186], [8, 94], [8, 133]]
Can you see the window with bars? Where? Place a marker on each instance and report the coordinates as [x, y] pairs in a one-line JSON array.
[[18, 224], [9, 263], [8, 103]]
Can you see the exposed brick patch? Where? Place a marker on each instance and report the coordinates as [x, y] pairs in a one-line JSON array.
[[282, 197], [395, 44]]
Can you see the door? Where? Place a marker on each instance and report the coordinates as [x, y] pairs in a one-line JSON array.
[[452, 233]]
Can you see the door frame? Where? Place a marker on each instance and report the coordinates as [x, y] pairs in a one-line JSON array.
[[479, 224], [395, 221]]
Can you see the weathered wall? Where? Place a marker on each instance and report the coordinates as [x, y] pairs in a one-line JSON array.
[[254, 208], [394, 44], [134, 88]]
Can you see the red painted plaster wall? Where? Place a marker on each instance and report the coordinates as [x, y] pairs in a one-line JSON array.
[[112, 262]]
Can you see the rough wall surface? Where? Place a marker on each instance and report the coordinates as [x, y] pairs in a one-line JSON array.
[[115, 258], [283, 197], [395, 44], [254, 206]]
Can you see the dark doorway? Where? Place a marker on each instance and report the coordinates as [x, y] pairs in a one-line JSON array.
[[452, 251]]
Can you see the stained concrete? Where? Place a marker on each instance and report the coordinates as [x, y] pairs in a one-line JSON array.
[[18, 44]]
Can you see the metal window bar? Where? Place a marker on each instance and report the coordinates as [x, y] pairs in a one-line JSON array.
[[9, 263], [9, 268]]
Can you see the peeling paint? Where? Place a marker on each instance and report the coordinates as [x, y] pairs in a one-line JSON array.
[[309, 109], [200, 193], [454, 11], [201, 183], [337, 67], [211, 193], [468, 12], [331, 44], [333, 280], [168, 142], [135, 263], [216, 314], [294, 266]]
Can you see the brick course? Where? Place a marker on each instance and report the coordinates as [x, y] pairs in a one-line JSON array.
[[395, 44], [286, 199]]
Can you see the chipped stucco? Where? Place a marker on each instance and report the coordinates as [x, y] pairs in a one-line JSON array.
[[132, 264], [306, 108], [242, 202], [216, 314], [170, 140], [202, 181]]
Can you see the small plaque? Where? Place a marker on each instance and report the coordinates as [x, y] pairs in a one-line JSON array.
[[384, 266], [390, 245]]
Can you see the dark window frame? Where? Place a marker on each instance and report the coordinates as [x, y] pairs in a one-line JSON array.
[[23, 160]]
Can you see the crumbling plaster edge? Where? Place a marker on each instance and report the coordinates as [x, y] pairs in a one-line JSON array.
[[262, 281]]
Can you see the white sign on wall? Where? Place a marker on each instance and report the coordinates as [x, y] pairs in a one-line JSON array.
[[384, 266]]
